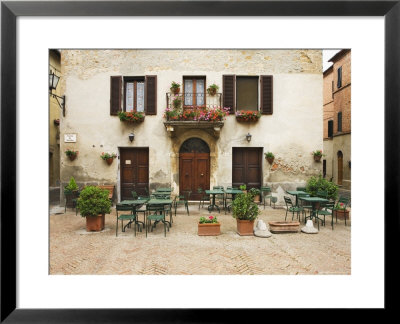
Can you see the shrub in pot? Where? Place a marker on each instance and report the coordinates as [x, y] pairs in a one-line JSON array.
[[93, 203], [320, 184], [71, 192], [245, 210], [256, 193]]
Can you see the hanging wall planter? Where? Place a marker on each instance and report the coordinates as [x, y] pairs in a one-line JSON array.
[[317, 155], [247, 116], [108, 157], [270, 157], [175, 87], [71, 154]]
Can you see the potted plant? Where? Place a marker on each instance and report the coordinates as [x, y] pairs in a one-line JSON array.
[[72, 154], [256, 193], [108, 157], [71, 193], [320, 184], [93, 203], [56, 122], [212, 89], [340, 211], [270, 157], [245, 211], [317, 155], [208, 226], [176, 101], [131, 116], [175, 87], [243, 188], [247, 115]]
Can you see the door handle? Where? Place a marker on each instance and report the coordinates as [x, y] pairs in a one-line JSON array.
[[201, 174]]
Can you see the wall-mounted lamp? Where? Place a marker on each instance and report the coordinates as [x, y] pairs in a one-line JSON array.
[[131, 137], [350, 164], [248, 137], [53, 82]]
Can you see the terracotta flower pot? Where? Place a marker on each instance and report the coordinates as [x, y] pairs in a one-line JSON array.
[[283, 227], [317, 158], [245, 227], [270, 160], [110, 160], [72, 157], [257, 198], [341, 214], [95, 223], [209, 229], [211, 92], [175, 90]]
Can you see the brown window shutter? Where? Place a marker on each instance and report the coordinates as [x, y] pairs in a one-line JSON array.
[[228, 95], [151, 95], [266, 94], [115, 94]]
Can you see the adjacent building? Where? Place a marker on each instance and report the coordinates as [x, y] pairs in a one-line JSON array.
[[183, 148], [337, 120]]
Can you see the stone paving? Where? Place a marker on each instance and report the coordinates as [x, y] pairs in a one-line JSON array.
[[183, 252]]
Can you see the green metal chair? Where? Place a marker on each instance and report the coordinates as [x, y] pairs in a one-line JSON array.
[[304, 204], [130, 217], [204, 197], [183, 200], [220, 197], [228, 199], [345, 201], [156, 213], [266, 193], [291, 208], [326, 210]]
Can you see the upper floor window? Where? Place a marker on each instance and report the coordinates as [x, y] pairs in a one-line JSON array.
[[339, 77], [339, 125], [330, 128], [247, 93], [134, 94], [194, 89]]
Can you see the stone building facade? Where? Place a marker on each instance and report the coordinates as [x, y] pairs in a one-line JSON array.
[[285, 86], [337, 120]]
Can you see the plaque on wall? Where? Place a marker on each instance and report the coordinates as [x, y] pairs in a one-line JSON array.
[[127, 161], [69, 138]]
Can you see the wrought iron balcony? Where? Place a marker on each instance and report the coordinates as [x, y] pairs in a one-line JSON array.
[[193, 100]]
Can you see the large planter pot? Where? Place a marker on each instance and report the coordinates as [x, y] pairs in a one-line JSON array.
[[95, 223], [257, 198], [109, 160], [209, 229], [317, 158], [245, 227], [284, 227], [341, 214]]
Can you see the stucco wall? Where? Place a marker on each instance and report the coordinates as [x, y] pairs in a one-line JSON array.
[[291, 133]]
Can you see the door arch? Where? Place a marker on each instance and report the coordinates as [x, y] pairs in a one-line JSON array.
[[340, 168], [194, 166]]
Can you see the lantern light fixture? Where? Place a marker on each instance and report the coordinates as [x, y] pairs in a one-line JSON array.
[[248, 137], [131, 137], [53, 82]]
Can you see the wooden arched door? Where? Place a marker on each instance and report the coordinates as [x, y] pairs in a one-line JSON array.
[[194, 167], [340, 168]]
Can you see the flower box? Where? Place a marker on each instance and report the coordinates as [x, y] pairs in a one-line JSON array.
[[247, 116], [284, 227], [209, 229], [131, 116], [342, 214]]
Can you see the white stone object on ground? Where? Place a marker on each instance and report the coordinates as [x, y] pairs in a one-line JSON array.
[[261, 225], [261, 233], [309, 228]]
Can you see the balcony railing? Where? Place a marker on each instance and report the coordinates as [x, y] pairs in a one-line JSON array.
[[193, 100]]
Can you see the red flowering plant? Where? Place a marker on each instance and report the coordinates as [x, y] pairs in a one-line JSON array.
[[106, 155], [196, 113], [340, 206], [317, 153], [131, 116], [209, 220], [248, 115], [71, 152]]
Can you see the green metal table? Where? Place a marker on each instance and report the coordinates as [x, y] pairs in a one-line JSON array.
[[213, 193], [232, 192], [135, 202], [296, 193], [314, 201]]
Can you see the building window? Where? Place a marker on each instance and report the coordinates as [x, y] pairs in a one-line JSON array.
[[194, 89], [339, 125], [333, 88], [134, 94], [339, 77], [247, 93], [324, 168], [330, 128]]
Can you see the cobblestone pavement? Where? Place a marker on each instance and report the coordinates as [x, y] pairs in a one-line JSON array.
[[183, 252]]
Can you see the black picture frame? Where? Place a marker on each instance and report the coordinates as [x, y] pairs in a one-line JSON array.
[[10, 10]]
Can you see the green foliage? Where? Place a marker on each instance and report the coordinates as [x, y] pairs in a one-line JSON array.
[[70, 152], [93, 201], [212, 89], [318, 184], [244, 207], [318, 153], [242, 187], [175, 85], [107, 155], [131, 116], [71, 187], [254, 191], [269, 155], [209, 220]]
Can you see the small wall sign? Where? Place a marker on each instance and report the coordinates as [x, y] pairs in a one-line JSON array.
[[69, 138], [127, 161]]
